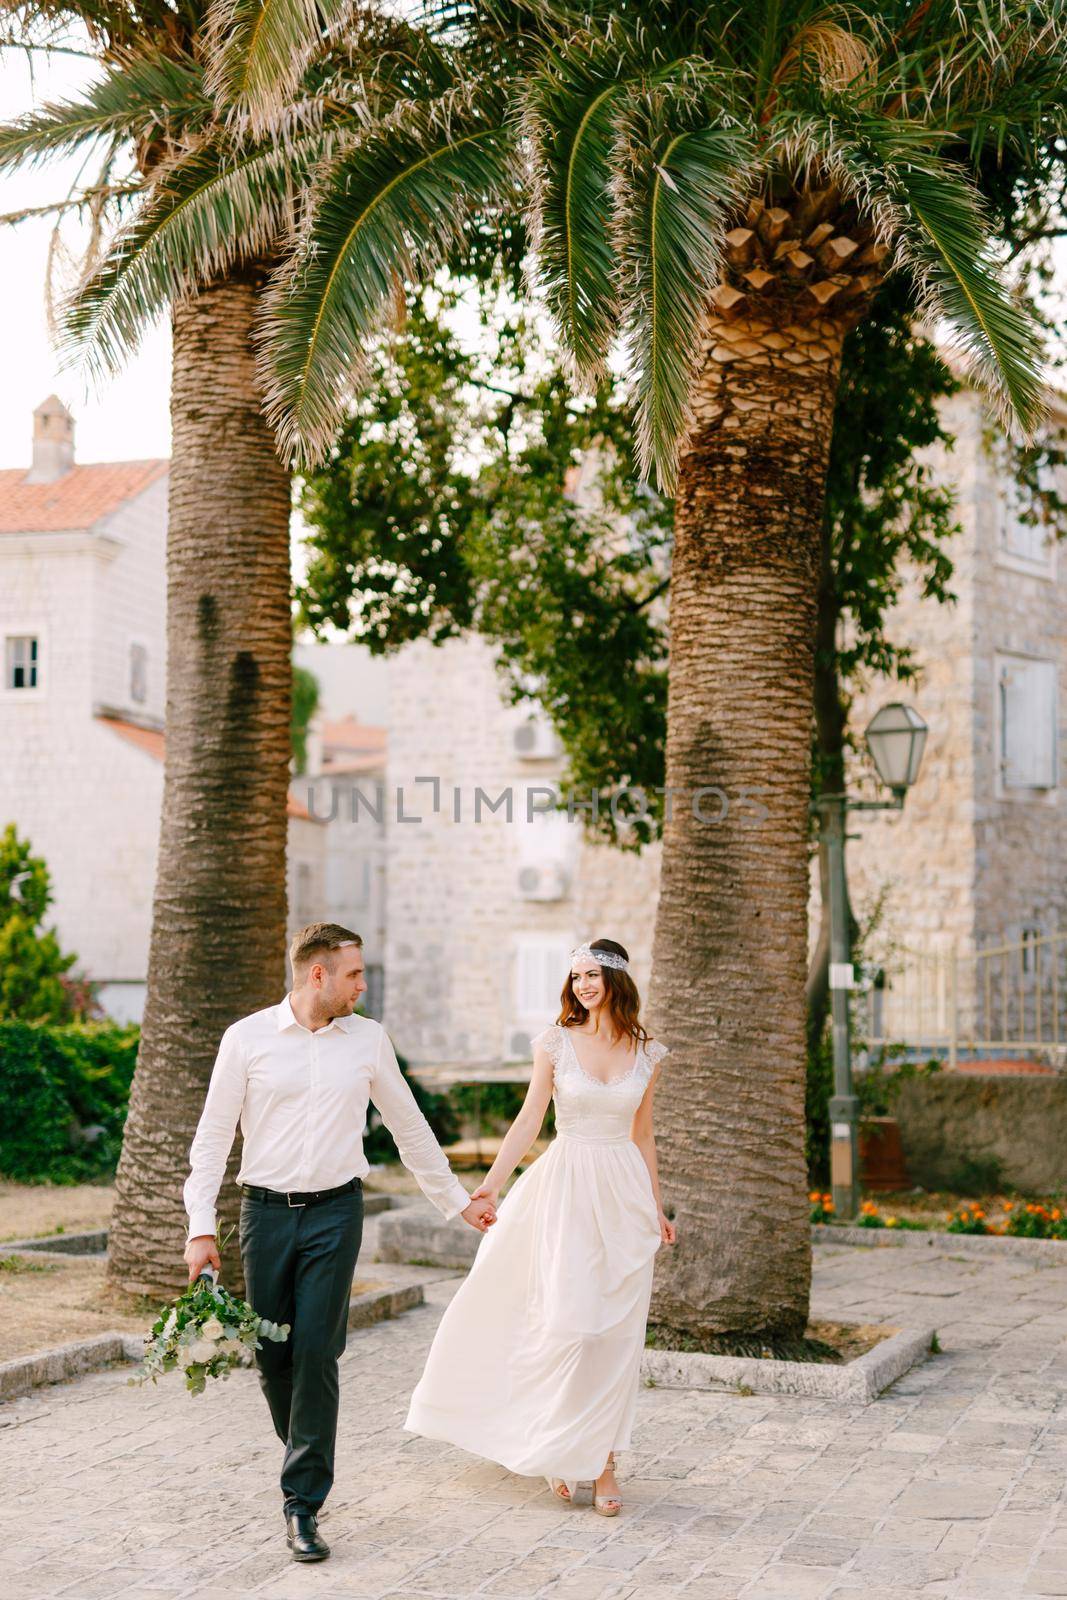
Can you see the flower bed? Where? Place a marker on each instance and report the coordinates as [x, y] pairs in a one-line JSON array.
[[1014, 1219]]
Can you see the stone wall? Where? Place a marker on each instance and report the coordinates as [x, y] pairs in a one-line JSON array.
[[967, 864], [130, 605], [456, 920], [951, 1119]]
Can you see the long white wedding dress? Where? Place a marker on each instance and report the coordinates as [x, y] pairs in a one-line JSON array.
[[536, 1360]]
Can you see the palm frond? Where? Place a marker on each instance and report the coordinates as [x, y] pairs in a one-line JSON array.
[[210, 209], [257, 50], [567, 117], [391, 207], [140, 97], [944, 245], [673, 192], [930, 212]]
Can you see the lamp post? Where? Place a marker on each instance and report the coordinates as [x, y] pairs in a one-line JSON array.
[[896, 737]]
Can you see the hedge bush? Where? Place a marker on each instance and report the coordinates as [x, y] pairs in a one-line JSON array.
[[56, 1082]]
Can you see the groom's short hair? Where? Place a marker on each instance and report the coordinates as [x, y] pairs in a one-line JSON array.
[[316, 940]]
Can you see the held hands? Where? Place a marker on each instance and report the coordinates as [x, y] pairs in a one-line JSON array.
[[202, 1252], [481, 1213]]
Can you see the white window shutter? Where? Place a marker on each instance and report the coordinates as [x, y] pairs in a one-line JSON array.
[[1028, 724], [540, 969]]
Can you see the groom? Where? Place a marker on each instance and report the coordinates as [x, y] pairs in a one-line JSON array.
[[298, 1076]]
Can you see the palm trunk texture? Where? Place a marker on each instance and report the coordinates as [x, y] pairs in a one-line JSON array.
[[730, 952], [219, 917]]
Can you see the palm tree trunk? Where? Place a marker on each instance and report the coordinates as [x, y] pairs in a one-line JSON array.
[[218, 930], [730, 950]]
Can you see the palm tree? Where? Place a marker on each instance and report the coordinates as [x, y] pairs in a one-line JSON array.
[[202, 194], [722, 189]]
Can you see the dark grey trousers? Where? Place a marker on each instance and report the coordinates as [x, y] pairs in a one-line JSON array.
[[298, 1266]]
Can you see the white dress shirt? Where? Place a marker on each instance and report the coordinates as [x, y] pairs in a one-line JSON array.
[[302, 1102]]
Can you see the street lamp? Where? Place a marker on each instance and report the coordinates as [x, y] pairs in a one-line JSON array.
[[896, 737]]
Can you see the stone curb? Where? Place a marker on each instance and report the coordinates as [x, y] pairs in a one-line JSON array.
[[377, 1305], [1052, 1251], [857, 1383], [94, 1242], [417, 1233], [104, 1349]]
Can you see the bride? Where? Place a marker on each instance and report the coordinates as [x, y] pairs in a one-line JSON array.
[[537, 1358]]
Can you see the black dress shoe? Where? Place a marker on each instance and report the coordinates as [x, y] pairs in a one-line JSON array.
[[301, 1535]]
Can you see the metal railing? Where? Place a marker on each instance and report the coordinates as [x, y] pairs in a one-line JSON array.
[[1009, 998]]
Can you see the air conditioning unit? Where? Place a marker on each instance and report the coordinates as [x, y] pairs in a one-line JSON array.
[[535, 740], [545, 880], [518, 1044]]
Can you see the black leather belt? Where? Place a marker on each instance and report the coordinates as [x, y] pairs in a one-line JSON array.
[[272, 1197]]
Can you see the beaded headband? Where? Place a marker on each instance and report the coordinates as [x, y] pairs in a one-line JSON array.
[[603, 958]]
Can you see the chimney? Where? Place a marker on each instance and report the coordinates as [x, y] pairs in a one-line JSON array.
[[53, 441]]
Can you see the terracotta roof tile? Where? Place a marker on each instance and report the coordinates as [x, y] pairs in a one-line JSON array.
[[352, 736], [76, 500], [153, 742]]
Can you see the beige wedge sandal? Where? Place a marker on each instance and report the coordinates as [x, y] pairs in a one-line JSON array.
[[607, 1505]]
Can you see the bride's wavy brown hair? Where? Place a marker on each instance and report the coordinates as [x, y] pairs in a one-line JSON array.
[[620, 993]]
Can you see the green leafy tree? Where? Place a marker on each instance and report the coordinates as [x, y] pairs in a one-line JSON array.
[[305, 704], [32, 963]]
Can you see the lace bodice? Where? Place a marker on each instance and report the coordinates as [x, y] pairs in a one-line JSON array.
[[585, 1105]]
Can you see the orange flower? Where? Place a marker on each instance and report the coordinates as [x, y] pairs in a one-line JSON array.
[[827, 1203], [814, 1197]]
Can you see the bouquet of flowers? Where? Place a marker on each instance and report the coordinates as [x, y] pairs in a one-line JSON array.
[[205, 1333]]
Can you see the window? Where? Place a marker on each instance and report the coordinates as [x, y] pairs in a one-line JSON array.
[[1023, 540], [21, 662], [1026, 696], [373, 999], [304, 886], [541, 966], [138, 674]]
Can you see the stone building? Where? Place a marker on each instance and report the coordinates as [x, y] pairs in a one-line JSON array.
[[83, 635], [483, 907], [343, 790], [976, 859]]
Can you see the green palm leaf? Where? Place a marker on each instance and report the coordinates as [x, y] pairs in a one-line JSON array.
[[209, 210], [258, 49], [391, 207], [567, 117], [673, 194], [929, 210], [946, 249], [142, 97]]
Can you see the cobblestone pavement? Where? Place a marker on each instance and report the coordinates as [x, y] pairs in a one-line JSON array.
[[951, 1485]]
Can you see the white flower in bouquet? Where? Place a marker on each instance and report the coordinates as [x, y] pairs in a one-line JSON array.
[[206, 1333]]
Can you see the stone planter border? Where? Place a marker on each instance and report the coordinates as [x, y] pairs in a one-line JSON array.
[[94, 1242], [856, 1383], [1051, 1251], [105, 1349]]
